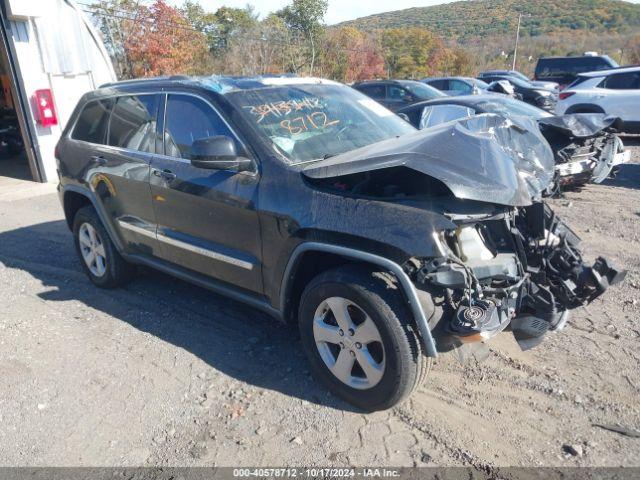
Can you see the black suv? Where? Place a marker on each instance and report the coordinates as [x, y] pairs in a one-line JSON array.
[[564, 70], [310, 201]]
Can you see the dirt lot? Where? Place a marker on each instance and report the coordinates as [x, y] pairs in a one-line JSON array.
[[165, 373]]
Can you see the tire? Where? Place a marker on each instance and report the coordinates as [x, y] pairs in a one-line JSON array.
[[400, 366], [113, 271]]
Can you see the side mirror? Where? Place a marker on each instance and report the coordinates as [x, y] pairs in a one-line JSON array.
[[218, 153], [405, 117]]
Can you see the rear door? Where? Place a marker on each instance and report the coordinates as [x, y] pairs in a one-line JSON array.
[[114, 139], [131, 138], [207, 219], [619, 95]]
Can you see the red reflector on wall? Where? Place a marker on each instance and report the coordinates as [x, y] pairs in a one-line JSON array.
[[46, 110]]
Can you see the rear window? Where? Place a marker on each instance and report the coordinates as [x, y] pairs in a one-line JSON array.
[[92, 122], [439, 84], [577, 82], [569, 67], [373, 91]]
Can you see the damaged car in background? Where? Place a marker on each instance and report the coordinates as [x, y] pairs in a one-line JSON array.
[[310, 201], [586, 146]]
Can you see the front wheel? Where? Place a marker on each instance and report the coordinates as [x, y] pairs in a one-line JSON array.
[[359, 338]]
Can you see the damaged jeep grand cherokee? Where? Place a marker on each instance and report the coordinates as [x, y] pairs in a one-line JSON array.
[[308, 200]]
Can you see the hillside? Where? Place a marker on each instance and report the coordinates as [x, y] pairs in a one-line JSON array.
[[468, 19]]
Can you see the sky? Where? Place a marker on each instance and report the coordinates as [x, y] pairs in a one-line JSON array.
[[338, 11]]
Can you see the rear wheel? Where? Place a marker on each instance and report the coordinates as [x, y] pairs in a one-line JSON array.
[[359, 338], [99, 258]]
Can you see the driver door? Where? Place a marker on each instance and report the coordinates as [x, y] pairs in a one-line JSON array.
[[207, 219]]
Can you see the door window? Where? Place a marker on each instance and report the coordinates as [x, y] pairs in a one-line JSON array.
[[92, 122], [133, 123], [188, 119]]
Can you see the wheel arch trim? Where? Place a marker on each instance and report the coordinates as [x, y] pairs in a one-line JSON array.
[[89, 195], [406, 284]]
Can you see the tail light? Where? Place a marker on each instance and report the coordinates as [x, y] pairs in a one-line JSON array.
[[565, 95], [46, 110]]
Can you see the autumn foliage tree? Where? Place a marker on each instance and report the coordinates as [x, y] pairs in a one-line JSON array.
[[165, 44], [350, 55]]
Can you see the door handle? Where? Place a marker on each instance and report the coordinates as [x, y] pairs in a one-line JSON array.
[[166, 174], [98, 159]]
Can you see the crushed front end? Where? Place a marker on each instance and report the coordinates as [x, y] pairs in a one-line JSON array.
[[520, 269], [586, 148]]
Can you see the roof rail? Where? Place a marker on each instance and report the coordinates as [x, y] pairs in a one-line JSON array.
[[144, 79]]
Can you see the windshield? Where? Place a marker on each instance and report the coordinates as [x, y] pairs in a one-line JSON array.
[[315, 121], [422, 91], [510, 106]]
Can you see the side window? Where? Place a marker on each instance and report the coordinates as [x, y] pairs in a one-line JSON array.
[[459, 86], [92, 122], [188, 119], [438, 114], [374, 91], [622, 81], [396, 94], [133, 123]]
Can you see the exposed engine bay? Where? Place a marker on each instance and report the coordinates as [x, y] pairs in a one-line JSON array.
[[522, 269]]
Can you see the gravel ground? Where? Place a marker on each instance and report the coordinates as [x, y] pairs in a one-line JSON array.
[[164, 373]]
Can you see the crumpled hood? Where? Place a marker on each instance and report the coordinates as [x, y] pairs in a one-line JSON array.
[[580, 125], [487, 158]]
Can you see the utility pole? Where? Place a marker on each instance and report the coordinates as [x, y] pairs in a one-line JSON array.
[[515, 50]]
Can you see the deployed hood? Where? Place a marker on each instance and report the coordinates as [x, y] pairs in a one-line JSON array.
[[487, 158], [581, 125]]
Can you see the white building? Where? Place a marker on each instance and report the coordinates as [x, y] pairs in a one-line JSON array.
[[46, 45]]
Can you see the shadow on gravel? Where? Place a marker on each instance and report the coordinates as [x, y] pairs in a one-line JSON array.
[[627, 177], [239, 341]]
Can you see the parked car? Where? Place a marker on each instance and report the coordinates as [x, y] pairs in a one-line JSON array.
[[613, 92], [310, 201], [457, 85], [585, 146], [544, 98], [519, 75], [564, 70], [395, 94]]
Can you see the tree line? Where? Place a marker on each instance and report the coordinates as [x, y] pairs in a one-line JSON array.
[[159, 39]]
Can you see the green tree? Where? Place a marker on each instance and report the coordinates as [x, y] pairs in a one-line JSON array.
[[307, 18]]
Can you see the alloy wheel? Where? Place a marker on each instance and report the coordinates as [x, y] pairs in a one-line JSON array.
[[92, 249], [349, 343]]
